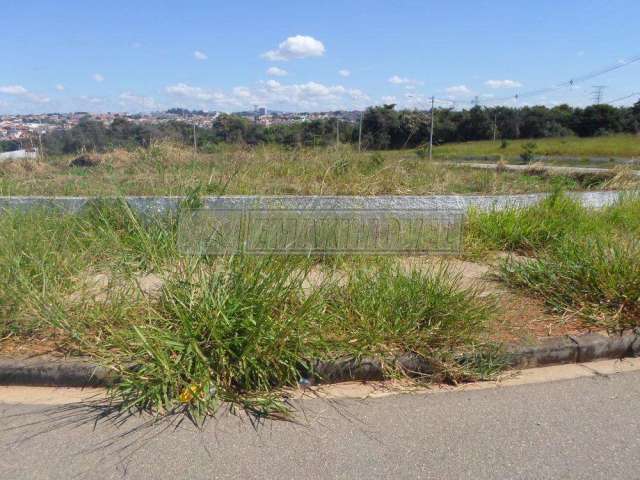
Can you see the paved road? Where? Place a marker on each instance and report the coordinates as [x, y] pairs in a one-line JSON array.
[[572, 429]]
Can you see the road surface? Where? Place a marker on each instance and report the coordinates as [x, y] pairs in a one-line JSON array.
[[569, 426]]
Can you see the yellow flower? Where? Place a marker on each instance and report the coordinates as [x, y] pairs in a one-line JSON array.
[[188, 394]]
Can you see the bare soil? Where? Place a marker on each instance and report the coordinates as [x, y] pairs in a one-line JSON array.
[[521, 318]]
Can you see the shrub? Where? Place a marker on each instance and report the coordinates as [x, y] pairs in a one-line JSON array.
[[528, 153]]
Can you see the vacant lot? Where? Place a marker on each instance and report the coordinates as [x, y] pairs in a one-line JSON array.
[[206, 330], [164, 169]]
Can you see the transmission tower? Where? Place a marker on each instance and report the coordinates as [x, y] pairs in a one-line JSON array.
[[598, 90]]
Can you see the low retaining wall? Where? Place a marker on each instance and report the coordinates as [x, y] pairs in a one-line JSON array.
[[149, 205]]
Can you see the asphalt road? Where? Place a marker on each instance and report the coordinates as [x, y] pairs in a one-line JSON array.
[[571, 429]]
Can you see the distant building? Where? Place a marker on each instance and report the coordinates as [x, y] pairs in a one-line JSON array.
[[18, 155]]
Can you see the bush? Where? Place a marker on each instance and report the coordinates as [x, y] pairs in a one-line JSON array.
[[528, 153]]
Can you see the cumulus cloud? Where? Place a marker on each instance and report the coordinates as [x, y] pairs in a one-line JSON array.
[[300, 46], [21, 92], [195, 93], [199, 55], [131, 99], [60, 87], [388, 99], [310, 95], [344, 72], [91, 100], [458, 90], [398, 80], [13, 90], [503, 83], [98, 77], [276, 72]]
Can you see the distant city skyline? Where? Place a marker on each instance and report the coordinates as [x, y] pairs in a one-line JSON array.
[[151, 56]]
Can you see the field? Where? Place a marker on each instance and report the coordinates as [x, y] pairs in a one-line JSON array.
[[165, 169], [613, 146]]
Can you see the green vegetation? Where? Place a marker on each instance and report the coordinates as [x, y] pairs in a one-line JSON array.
[[625, 146], [580, 262], [208, 330], [383, 128], [168, 169], [596, 278]]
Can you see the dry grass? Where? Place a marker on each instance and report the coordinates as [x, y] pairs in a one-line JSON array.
[[167, 169]]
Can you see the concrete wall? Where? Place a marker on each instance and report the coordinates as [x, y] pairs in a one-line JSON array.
[[429, 202]]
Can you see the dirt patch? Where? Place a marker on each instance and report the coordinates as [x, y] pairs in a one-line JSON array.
[[523, 319], [97, 287]]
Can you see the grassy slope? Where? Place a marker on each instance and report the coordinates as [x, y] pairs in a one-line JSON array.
[[609, 146]]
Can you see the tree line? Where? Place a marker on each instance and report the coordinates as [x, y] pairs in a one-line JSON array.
[[383, 127]]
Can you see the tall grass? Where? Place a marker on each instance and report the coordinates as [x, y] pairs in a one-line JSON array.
[[586, 262], [221, 329], [527, 230], [596, 278], [166, 169]]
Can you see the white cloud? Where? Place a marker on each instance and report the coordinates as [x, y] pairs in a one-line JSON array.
[[13, 90], [98, 77], [199, 55], [300, 46], [131, 99], [458, 90], [503, 83], [305, 96], [344, 72], [60, 87], [398, 80], [276, 72], [195, 93], [21, 92], [92, 100], [389, 99]]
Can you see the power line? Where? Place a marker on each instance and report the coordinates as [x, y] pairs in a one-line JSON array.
[[560, 86], [619, 99]]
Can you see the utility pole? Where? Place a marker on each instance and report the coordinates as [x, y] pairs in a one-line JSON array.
[[433, 100], [598, 90], [517, 115], [360, 133], [195, 141], [495, 126]]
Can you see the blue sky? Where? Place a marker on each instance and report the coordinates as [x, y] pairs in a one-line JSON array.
[[143, 55]]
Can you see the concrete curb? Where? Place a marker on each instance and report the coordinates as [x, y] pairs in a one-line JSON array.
[[53, 372], [550, 351]]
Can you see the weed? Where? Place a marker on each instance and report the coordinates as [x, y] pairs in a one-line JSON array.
[[597, 278]]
